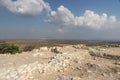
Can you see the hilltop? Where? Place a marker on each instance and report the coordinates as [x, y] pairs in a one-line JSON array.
[[67, 62]]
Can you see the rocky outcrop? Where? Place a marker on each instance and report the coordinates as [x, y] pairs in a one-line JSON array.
[[61, 63], [105, 55], [58, 63]]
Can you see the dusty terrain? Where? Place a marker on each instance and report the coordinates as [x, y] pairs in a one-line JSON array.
[[74, 62]]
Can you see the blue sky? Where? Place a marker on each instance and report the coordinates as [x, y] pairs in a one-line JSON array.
[[60, 19]]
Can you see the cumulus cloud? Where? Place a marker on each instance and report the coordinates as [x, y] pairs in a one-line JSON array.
[[26, 7], [64, 17]]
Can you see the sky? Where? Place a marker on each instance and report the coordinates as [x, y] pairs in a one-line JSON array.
[[60, 19]]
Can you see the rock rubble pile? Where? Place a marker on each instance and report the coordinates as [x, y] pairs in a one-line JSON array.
[[58, 63]]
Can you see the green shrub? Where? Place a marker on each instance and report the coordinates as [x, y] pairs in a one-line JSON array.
[[28, 48], [116, 69], [6, 48]]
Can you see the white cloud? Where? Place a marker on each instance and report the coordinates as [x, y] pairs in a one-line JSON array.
[[60, 30], [64, 17], [26, 7]]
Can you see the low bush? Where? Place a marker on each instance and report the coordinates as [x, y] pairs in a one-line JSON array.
[[7, 48]]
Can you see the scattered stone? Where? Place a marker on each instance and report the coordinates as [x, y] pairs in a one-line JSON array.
[[117, 63], [81, 46], [38, 54], [104, 74], [44, 49], [105, 55], [76, 78]]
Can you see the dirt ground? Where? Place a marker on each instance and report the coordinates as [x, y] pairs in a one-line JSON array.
[[74, 62]]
